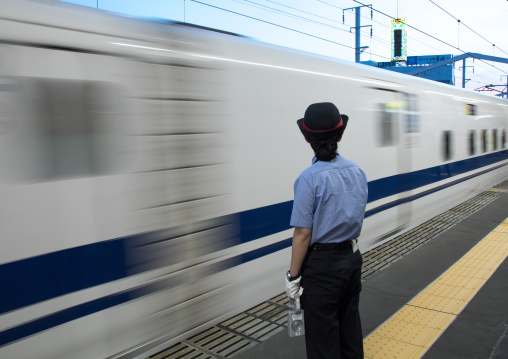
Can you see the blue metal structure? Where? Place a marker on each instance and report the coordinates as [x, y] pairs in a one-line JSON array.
[[437, 62], [442, 74]]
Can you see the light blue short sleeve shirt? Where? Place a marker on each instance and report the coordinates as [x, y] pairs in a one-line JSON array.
[[330, 198]]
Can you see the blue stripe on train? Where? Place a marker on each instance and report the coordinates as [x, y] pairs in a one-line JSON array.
[[103, 262], [389, 186], [64, 316], [33, 280]]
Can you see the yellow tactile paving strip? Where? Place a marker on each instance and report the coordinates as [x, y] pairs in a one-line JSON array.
[[410, 332]]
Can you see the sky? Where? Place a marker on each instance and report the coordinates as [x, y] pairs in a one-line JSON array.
[[324, 26]]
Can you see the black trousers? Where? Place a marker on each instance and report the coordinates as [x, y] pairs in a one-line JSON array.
[[331, 281]]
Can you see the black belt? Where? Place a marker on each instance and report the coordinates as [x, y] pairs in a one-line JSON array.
[[331, 246]]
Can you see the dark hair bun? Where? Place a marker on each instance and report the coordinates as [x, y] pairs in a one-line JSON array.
[[325, 150]]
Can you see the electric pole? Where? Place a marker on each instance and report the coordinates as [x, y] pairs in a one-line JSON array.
[[358, 49]]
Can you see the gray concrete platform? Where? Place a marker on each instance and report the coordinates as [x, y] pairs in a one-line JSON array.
[[479, 332]]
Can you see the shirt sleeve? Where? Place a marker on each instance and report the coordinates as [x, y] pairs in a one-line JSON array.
[[303, 205]]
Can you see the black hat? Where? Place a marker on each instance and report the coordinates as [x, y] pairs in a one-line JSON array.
[[322, 121]]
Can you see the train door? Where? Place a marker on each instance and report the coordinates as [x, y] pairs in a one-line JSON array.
[[395, 140], [410, 139]]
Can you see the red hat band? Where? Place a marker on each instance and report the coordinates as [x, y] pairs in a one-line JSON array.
[[308, 129]]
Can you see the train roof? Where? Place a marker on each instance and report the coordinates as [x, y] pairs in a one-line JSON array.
[[98, 30]]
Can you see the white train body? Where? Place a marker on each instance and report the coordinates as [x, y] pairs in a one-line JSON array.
[[147, 172]]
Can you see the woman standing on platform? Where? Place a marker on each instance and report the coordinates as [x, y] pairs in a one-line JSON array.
[[328, 211]]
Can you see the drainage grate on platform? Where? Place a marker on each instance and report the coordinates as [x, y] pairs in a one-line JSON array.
[[384, 255], [220, 342], [254, 327], [281, 299], [182, 351], [502, 185], [274, 313]]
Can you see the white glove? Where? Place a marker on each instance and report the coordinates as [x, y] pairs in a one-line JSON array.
[[293, 287], [354, 244]]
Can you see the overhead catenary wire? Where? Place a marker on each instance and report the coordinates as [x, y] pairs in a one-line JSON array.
[[423, 32], [386, 42], [378, 40], [412, 27], [461, 22], [482, 79], [271, 23], [486, 69], [302, 18], [338, 7], [306, 12], [277, 25], [426, 34], [413, 39], [306, 19], [285, 13]]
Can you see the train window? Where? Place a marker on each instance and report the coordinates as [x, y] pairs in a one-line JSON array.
[[494, 139], [412, 118], [470, 109], [447, 145], [387, 125], [74, 128], [503, 138], [485, 140], [472, 143]]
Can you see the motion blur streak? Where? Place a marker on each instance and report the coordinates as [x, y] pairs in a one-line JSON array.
[[148, 167]]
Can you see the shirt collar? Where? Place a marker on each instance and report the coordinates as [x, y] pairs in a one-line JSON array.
[[315, 160]]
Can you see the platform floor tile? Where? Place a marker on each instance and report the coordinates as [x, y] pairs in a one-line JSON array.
[[458, 280], [425, 317], [441, 304], [413, 329], [450, 291], [378, 347], [407, 332]]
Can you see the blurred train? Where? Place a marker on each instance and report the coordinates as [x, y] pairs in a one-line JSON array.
[[147, 171]]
